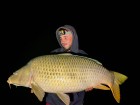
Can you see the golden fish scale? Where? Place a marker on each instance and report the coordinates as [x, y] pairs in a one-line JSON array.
[[67, 73]]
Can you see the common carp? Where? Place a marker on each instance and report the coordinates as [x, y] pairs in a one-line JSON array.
[[66, 73]]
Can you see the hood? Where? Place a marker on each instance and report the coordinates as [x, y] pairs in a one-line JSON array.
[[75, 45]]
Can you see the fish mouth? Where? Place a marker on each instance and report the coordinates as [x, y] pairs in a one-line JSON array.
[[10, 83]]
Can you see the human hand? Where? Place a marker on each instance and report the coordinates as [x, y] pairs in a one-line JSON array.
[[89, 89]]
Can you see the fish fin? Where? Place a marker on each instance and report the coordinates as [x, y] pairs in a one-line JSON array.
[[116, 91], [102, 87], [118, 80], [37, 91], [65, 54], [97, 61], [64, 97]]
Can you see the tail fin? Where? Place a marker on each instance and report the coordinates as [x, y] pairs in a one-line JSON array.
[[118, 80]]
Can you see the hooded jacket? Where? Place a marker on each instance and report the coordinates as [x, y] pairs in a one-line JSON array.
[[75, 44], [76, 98]]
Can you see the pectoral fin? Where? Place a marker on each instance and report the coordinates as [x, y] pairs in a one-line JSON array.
[[64, 97], [38, 91]]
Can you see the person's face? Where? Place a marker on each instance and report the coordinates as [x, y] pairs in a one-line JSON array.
[[66, 40]]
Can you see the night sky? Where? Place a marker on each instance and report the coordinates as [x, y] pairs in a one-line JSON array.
[[27, 34]]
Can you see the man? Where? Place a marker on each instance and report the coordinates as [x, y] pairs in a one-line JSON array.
[[68, 41]]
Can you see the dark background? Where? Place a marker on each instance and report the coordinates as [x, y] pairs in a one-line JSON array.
[[27, 33]]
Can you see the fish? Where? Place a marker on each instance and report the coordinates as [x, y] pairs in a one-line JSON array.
[[66, 73]]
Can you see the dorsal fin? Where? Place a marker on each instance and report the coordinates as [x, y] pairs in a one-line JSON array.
[[65, 54], [97, 61]]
